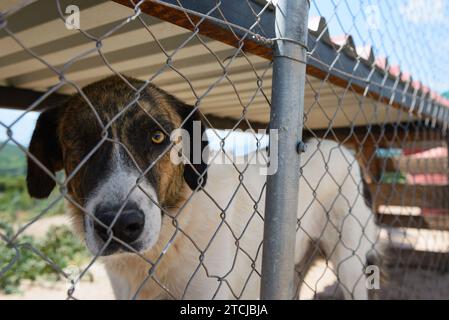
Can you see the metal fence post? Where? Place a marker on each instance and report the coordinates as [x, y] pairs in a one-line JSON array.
[[287, 117]]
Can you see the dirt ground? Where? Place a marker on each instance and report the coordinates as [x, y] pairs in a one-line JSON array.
[[96, 288], [413, 284]]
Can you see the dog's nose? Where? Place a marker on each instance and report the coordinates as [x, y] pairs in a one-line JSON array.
[[128, 226]]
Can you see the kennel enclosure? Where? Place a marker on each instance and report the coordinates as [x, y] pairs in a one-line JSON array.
[[223, 57]]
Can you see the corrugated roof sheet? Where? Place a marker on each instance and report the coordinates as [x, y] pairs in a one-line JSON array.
[[133, 50]]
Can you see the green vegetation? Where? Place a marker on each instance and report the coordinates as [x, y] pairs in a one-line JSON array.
[[59, 245], [16, 208], [393, 178]]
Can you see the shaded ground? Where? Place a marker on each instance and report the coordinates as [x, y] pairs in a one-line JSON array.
[[414, 284]]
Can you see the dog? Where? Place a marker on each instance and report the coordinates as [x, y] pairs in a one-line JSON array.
[[168, 230]]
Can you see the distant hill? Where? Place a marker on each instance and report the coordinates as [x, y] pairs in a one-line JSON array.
[[12, 160]]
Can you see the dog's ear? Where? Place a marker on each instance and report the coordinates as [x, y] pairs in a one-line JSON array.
[[195, 172], [44, 147]]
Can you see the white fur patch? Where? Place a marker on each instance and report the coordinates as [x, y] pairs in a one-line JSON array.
[[113, 192]]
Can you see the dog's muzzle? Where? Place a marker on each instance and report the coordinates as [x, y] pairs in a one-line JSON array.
[[126, 226]]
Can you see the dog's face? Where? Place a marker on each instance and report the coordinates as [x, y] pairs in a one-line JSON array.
[[117, 162]]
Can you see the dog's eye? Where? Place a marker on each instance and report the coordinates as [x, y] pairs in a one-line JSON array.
[[158, 137]]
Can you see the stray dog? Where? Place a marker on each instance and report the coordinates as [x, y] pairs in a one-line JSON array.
[[206, 220]]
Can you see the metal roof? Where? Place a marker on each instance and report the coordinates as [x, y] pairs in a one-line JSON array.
[[134, 51]]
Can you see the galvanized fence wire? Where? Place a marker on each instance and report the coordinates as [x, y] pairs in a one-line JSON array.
[[401, 148], [224, 78]]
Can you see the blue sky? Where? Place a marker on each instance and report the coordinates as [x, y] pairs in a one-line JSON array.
[[412, 33], [22, 130]]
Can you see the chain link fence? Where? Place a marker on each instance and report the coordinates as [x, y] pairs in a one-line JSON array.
[[168, 128]]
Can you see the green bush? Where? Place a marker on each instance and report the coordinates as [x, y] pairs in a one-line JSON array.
[[17, 207], [59, 245]]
